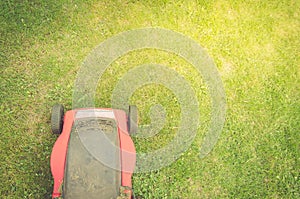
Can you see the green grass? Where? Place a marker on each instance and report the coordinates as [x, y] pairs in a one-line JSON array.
[[255, 45]]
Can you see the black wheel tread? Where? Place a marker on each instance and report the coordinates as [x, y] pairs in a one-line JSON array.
[[133, 119], [57, 118]]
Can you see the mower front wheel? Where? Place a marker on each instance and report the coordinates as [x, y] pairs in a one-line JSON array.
[[132, 119], [57, 115]]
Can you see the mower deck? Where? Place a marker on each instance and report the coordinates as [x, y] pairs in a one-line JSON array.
[[94, 156], [92, 140]]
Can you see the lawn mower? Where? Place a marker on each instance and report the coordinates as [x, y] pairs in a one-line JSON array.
[[94, 155]]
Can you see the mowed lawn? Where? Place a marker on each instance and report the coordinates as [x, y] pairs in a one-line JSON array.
[[254, 44]]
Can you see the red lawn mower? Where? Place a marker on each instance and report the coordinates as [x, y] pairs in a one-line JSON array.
[[94, 156]]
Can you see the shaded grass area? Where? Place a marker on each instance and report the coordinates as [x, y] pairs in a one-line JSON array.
[[254, 44]]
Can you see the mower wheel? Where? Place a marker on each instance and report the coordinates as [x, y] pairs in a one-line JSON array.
[[132, 119], [57, 115]]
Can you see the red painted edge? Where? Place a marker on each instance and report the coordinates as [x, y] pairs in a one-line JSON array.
[[59, 152], [127, 149]]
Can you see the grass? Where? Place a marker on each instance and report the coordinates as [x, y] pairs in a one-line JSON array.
[[255, 45]]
